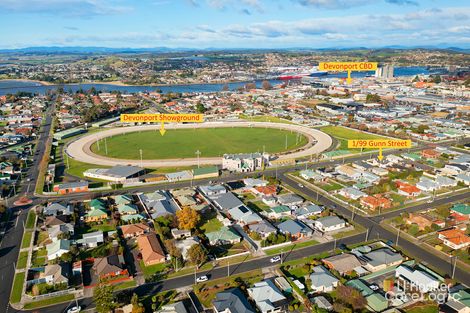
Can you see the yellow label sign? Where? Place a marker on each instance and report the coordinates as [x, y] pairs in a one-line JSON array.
[[379, 144], [162, 118], [347, 66]]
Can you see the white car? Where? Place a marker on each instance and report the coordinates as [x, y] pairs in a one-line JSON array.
[[74, 309], [301, 186], [275, 259], [201, 279]]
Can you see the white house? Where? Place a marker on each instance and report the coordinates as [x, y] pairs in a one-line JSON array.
[[417, 278], [322, 280], [329, 223]]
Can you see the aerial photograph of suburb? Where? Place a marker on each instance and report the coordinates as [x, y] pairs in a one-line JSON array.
[[234, 156]]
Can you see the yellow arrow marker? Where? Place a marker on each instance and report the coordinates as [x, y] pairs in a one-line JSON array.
[[162, 129], [380, 157], [349, 79]]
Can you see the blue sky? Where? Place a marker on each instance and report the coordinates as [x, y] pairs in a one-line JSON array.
[[234, 23]]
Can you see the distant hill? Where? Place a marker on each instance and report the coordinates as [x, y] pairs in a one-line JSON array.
[[107, 50]]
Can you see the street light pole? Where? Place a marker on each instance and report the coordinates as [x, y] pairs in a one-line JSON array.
[[398, 236], [198, 153], [140, 151]]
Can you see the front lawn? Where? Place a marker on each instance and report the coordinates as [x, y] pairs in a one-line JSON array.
[[31, 219], [49, 301], [26, 242], [210, 223], [38, 258], [22, 260], [151, 270], [106, 227], [17, 289]]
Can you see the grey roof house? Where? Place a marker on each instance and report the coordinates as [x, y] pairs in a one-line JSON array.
[[233, 301], [322, 280]]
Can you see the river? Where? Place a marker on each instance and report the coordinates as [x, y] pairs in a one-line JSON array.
[[14, 86]]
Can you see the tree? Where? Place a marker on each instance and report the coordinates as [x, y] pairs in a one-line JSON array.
[[250, 86], [371, 98], [266, 85], [137, 306], [197, 255], [104, 298], [200, 108], [416, 79], [352, 297], [187, 218], [172, 248], [413, 230], [225, 87]]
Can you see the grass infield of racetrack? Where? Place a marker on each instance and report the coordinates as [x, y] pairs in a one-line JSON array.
[[212, 142]]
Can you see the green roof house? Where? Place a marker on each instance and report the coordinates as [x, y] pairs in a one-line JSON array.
[[225, 235], [125, 209], [461, 209], [377, 302], [122, 199]]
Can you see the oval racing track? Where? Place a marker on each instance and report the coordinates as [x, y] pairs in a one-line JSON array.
[[80, 149]]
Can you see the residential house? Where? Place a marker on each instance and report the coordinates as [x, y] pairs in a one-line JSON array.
[[74, 187], [127, 209], [205, 172], [461, 210], [134, 230], [279, 211], [463, 178], [244, 215], [180, 233], [56, 220], [380, 259], [423, 221], [454, 238], [251, 183], [54, 209], [223, 236], [296, 229], [232, 301], [158, 203], [56, 273], [212, 190], [109, 266], [91, 240], [184, 245], [348, 171], [263, 228], [430, 154], [266, 191], [351, 193], [322, 280], [343, 263], [57, 248], [267, 297], [308, 211], [96, 215], [290, 200], [376, 202], [329, 223], [55, 231], [150, 248], [226, 201], [418, 278], [407, 189], [122, 199], [310, 174], [322, 303]]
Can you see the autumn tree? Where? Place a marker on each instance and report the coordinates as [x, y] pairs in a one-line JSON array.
[[187, 218], [172, 248], [266, 85], [197, 255], [352, 297]]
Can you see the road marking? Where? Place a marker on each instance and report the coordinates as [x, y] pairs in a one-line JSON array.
[[17, 218]]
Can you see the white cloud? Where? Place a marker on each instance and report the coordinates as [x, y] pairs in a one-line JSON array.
[[64, 7]]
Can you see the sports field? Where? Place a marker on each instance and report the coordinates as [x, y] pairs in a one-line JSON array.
[[211, 142], [343, 134]]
